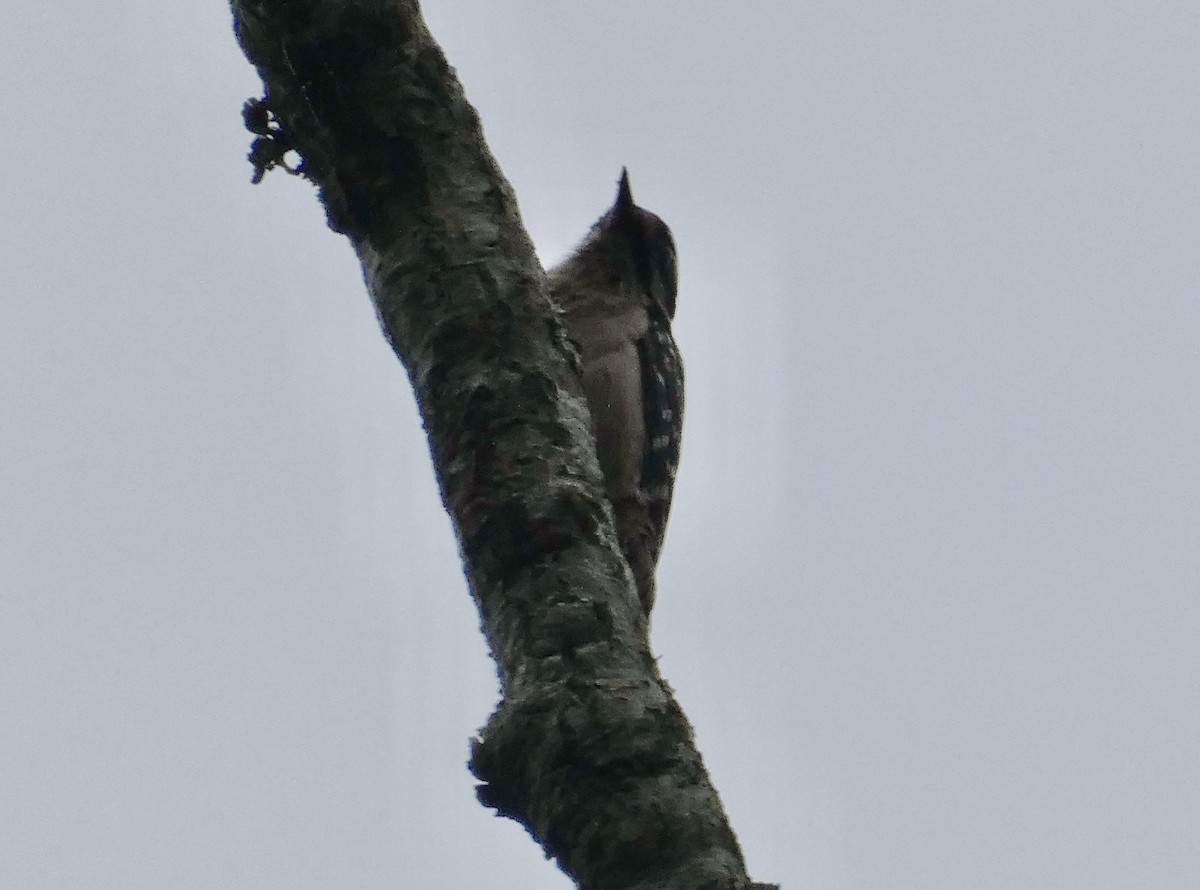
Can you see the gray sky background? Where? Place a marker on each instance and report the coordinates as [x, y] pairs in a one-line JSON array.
[[930, 593]]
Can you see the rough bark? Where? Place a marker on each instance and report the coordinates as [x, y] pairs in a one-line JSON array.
[[587, 747]]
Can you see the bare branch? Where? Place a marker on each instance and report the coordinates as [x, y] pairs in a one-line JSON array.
[[587, 747]]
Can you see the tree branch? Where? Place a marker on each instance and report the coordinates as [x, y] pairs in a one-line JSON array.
[[587, 748]]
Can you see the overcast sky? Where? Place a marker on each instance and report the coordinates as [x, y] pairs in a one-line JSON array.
[[931, 592]]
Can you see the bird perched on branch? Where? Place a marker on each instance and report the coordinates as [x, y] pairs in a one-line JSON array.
[[617, 292]]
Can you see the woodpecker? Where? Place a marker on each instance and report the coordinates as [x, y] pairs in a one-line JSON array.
[[617, 293]]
